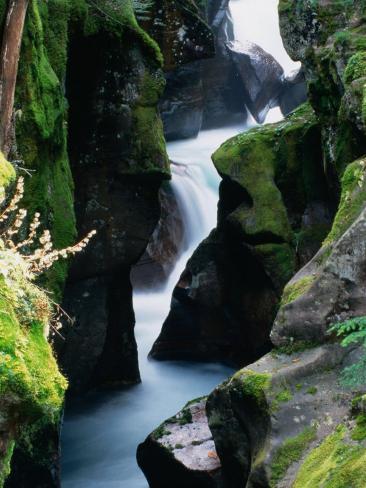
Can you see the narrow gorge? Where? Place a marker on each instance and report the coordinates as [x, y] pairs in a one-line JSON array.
[[182, 257]]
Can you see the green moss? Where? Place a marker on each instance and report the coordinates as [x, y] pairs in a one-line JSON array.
[[293, 348], [7, 172], [185, 417], [284, 396], [31, 387], [359, 432], [290, 452], [313, 390], [28, 369], [254, 386], [334, 464], [178, 446], [352, 200], [41, 125], [298, 387], [356, 67], [295, 290], [278, 165], [160, 432], [5, 463], [115, 17], [7, 176]]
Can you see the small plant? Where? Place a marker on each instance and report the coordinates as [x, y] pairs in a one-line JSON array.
[[312, 390], [353, 331], [24, 255]]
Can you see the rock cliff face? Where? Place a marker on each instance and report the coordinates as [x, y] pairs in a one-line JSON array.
[[118, 159], [286, 421], [119, 163]]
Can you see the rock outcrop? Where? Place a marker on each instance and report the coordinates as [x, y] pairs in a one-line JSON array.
[[330, 288], [184, 39], [268, 417], [274, 212]]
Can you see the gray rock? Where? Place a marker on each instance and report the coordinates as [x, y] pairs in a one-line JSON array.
[[181, 452], [336, 292], [261, 75]]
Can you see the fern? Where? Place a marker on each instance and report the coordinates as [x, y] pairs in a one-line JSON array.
[[142, 9], [352, 331]]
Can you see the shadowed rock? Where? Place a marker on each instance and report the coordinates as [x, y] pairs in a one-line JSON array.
[[294, 91], [261, 75]]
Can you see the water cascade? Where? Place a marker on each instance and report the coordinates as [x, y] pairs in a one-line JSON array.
[[102, 431]]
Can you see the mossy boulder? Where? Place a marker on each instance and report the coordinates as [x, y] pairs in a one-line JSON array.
[[268, 417]]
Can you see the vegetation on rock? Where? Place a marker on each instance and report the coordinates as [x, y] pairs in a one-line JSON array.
[[353, 331]]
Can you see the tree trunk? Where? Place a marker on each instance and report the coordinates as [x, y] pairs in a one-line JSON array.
[[10, 51]]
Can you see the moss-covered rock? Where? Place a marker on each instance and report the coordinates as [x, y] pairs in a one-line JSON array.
[[335, 463], [274, 213], [31, 386], [264, 423], [41, 125]]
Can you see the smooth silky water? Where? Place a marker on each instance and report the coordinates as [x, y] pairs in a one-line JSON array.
[[101, 432]]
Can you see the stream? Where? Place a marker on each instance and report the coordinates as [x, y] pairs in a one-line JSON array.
[[101, 432]]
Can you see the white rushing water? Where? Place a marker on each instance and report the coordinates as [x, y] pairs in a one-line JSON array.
[[101, 432], [254, 21]]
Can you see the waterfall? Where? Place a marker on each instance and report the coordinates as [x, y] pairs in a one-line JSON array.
[[101, 433]]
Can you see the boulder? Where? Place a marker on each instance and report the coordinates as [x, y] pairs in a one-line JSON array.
[[269, 416], [261, 75], [181, 451], [212, 315]]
